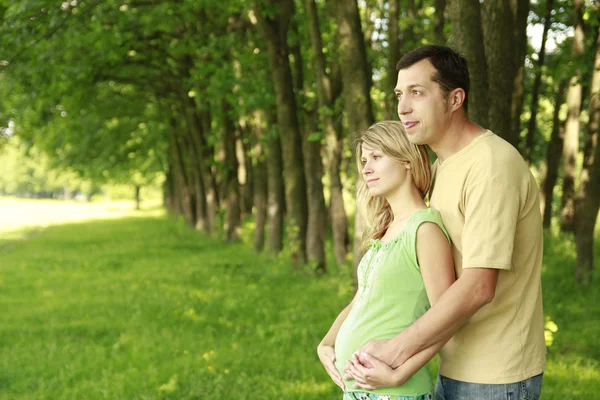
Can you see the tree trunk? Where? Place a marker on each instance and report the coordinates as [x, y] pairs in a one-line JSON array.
[[317, 213], [137, 198], [439, 37], [313, 166], [245, 172], [276, 188], [410, 34], [553, 156], [205, 186], [588, 195], [520, 9], [499, 41], [274, 31], [355, 78], [391, 104], [169, 189], [230, 177], [326, 99], [260, 179], [571, 147], [467, 38], [182, 179], [528, 149]]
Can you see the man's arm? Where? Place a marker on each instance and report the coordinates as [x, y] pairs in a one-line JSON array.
[[475, 288]]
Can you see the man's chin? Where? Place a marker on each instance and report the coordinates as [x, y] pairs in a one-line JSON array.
[[415, 139]]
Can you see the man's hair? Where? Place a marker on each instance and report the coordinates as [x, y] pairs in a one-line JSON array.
[[452, 68]]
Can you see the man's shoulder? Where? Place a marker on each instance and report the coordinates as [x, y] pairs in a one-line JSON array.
[[495, 157]]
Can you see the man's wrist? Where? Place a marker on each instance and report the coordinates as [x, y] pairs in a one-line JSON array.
[[399, 350]]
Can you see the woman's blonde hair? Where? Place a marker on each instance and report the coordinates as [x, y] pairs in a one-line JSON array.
[[390, 138]]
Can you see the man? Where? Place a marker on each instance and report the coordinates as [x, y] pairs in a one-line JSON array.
[[490, 319]]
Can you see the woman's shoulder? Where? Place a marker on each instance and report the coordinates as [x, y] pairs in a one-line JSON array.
[[427, 214]]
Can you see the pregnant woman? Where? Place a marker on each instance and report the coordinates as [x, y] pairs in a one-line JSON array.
[[407, 266]]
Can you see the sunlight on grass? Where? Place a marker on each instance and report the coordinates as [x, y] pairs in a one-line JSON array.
[[20, 215]]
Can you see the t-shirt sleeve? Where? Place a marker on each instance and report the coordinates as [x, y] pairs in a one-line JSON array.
[[491, 210]]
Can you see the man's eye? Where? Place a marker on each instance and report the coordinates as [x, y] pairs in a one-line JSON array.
[[416, 92], [399, 95]]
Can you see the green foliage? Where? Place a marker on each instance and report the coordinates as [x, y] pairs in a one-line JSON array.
[[26, 171]]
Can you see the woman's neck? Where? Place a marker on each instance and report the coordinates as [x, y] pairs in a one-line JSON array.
[[405, 201]]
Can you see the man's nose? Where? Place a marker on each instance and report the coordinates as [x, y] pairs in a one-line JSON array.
[[404, 106]]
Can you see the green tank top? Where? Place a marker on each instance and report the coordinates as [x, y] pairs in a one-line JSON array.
[[391, 296]]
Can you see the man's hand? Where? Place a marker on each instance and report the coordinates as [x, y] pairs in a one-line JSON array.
[[376, 376], [327, 358], [382, 350]]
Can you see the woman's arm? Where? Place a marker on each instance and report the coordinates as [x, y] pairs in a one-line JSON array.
[[326, 351], [434, 255]]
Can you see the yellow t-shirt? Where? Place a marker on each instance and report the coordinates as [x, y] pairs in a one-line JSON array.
[[489, 202]]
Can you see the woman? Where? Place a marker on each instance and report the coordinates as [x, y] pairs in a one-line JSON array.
[[406, 269]]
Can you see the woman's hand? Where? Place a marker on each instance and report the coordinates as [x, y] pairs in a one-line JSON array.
[[327, 358], [370, 373]]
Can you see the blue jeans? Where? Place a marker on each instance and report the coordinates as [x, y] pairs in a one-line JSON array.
[[450, 389]]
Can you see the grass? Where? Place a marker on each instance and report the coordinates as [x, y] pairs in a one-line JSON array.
[[140, 307]]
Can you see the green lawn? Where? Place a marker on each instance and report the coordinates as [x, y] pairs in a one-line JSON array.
[[140, 307]]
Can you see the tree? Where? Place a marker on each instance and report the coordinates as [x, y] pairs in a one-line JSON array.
[[274, 26], [587, 200], [467, 38], [356, 84], [531, 126], [327, 94], [571, 144]]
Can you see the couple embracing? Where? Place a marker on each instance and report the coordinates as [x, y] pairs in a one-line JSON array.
[[460, 276]]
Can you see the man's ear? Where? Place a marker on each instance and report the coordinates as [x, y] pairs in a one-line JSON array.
[[456, 99]]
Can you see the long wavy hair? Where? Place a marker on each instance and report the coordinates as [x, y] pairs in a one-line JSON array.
[[390, 138]]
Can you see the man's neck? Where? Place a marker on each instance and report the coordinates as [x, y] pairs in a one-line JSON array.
[[456, 137]]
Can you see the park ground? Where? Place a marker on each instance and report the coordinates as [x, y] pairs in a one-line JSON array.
[[100, 301]]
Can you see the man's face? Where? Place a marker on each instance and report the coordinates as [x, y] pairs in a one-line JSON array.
[[422, 105]]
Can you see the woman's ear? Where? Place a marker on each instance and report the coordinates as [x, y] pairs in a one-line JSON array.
[[407, 165]]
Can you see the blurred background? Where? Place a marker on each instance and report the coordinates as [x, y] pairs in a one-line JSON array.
[[177, 214]]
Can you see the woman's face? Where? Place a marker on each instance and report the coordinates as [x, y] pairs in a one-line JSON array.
[[382, 173]]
